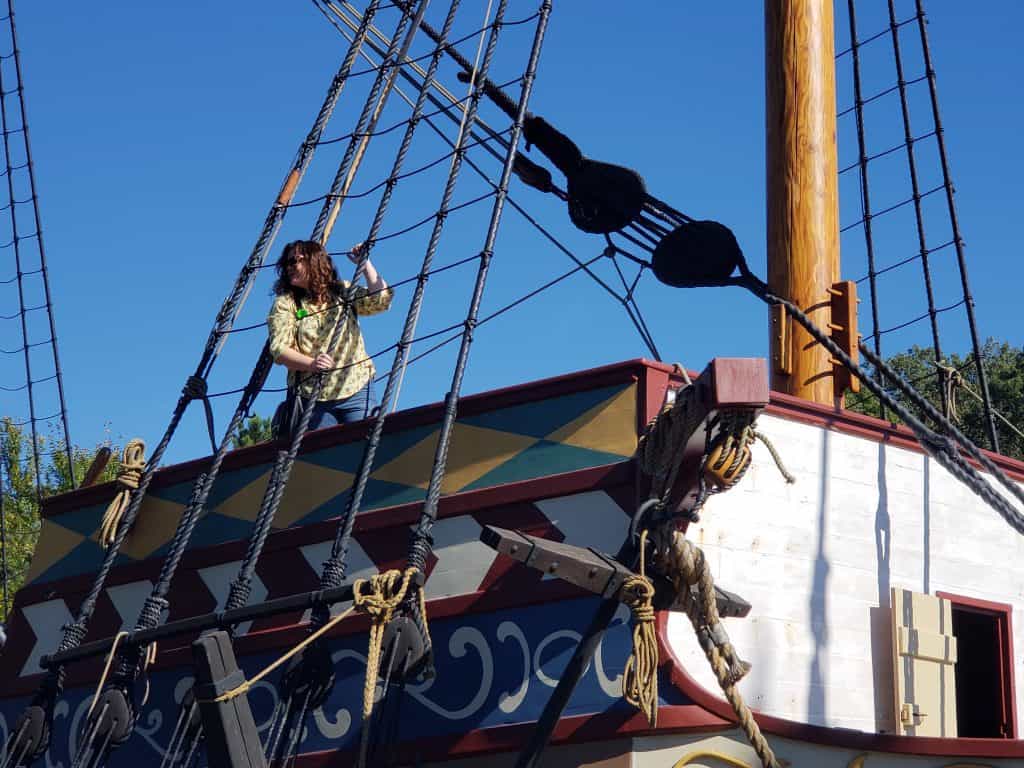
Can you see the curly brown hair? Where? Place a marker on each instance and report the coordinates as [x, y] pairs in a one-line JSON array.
[[323, 275]]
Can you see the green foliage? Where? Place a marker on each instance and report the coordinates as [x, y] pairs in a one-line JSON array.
[[1004, 367], [21, 488], [255, 429]]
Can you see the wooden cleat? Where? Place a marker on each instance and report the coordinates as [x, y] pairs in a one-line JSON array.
[[586, 568], [592, 570]]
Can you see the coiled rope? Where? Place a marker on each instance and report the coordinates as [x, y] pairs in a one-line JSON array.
[[133, 463], [378, 597], [660, 447], [640, 677]]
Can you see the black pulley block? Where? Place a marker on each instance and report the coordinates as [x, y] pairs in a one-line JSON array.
[[312, 671], [696, 253], [32, 734], [604, 198], [403, 646], [113, 716]]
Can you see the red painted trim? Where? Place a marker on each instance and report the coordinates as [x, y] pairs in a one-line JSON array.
[[1004, 624], [833, 737], [848, 422], [983, 606], [580, 381], [467, 502]]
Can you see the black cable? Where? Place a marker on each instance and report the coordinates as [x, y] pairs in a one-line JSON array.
[[655, 207], [857, 44], [390, 181], [880, 94], [865, 196], [922, 240], [905, 144], [993, 433], [904, 262], [918, 319], [894, 207], [422, 542], [402, 123]]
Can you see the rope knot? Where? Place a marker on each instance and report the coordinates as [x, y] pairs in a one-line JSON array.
[[195, 388], [640, 677], [133, 464], [149, 616], [378, 597]]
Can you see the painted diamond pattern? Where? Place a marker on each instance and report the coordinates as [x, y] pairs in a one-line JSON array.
[[460, 565]]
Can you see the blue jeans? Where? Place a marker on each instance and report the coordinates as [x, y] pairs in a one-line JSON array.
[[327, 413]]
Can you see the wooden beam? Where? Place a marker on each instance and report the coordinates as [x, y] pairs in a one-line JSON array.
[[802, 225], [232, 740], [594, 571]]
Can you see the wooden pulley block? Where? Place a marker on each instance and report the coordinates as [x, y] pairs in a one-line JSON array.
[[695, 254], [727, 461], [404, 648], [604, 198]]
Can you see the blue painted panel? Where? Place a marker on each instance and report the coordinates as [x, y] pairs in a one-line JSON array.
[[493, 669]]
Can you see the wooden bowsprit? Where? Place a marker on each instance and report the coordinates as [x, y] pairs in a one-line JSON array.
[[726, 385], [594, 571]]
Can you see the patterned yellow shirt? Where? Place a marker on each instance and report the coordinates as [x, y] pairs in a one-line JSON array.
[[311, 334]]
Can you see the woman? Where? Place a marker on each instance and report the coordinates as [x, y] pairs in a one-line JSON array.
[[308, 304]]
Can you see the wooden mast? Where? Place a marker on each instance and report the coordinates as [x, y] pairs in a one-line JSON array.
[[803, 228]]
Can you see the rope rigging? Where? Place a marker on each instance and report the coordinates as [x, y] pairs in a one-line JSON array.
[[942, 448], [29, 261], [669, 237], [31, 737], [524, 168], [241, 586], [333, 570], [900, 86]]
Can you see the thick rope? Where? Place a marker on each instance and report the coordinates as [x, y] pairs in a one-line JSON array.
[[660, 448], [684, 563], [773, 451], [961, 384], [333, 571], [133, 463], [378, 597], [640, 677]]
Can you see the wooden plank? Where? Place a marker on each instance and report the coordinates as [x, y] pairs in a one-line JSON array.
[[232, 740], [586, 568], [592, 570]]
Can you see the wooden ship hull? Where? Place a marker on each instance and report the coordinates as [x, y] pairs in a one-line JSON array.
[[817, 559], [876, 597]]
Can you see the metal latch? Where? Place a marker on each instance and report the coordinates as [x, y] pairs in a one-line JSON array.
[[911, 714]]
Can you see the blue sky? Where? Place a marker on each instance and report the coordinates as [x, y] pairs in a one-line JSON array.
[[160, 136]]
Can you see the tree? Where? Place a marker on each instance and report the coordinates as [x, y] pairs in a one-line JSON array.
[[255, 429], [20, 495], [1004, 368]]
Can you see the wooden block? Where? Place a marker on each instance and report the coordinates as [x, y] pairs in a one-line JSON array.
[[586, 568], [232, 740]]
